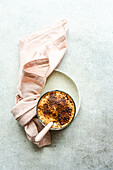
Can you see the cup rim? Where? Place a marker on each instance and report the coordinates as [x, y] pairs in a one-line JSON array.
[[39, 117]]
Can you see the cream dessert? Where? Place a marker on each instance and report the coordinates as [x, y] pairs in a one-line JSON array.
[[57, 107]]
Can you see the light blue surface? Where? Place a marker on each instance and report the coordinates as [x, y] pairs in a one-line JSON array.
[[88, 142]]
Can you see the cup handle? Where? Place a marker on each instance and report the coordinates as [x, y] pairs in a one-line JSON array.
[[43, 132]]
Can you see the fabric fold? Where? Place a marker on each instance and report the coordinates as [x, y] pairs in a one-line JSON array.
[[40, 53]]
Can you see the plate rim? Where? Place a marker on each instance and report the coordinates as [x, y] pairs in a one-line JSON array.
[[79, 97]]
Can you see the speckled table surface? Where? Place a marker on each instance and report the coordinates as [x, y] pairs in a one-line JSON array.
[[88, 142]]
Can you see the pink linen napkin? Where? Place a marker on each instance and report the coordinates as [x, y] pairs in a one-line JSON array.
[[40, 53]]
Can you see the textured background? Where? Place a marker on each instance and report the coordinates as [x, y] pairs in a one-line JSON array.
[[88, 142]]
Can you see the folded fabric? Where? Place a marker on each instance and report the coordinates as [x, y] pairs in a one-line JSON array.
[[40, 53]]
